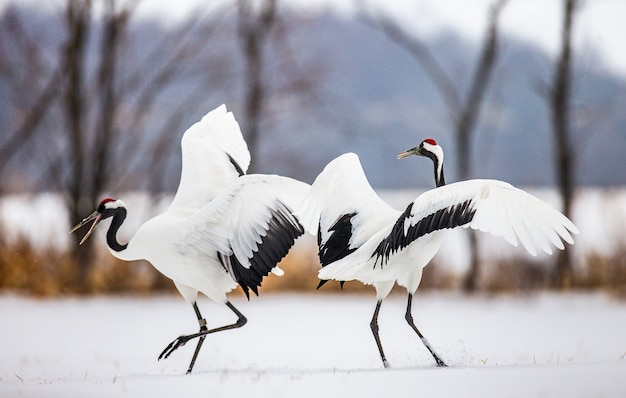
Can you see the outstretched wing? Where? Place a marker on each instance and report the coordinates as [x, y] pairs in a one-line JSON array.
[[214, 154], [485, 205], [343, 209], [251, 226]]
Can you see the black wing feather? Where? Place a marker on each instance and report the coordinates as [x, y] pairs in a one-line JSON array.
[[282, 231], [449, 217], [236, 165], [338, 244]]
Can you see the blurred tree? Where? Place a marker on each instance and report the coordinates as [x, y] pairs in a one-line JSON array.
[[464, 108], [99, 104], [28, 88], [275, 81], [253, 30], [558, 99], [79, 196], [105, 94]]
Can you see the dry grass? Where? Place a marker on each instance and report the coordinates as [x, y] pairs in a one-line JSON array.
[[25, 269], [516, 275], [111, 276], [604, 272], [39, 272]]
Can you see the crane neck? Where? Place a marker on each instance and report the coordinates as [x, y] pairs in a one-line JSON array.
[[439, 177], [116, 223]]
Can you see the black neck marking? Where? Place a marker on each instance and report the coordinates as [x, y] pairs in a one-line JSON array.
[[439, 178], [116, 223]]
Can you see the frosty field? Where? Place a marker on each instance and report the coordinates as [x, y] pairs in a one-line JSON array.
[[315, 345]]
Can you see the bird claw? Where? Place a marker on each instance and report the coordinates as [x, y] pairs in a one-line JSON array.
[[440, 363], [173, 346]]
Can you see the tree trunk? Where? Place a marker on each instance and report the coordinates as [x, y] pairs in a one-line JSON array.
[[253, 30], [560, 117], [78, 14], [467, 125]]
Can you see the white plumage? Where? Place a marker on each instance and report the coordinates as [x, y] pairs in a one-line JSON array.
[[222, 228], [210, 149], [362, 238]]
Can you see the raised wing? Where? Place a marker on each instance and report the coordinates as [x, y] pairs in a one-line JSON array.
[[345, 208], [251, 225], [506, 211], [485, 205], [214, 154]]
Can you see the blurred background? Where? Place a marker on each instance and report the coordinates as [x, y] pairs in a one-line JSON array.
[[96, 94]]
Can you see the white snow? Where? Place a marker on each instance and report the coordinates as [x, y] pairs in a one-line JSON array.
[[313, 345]]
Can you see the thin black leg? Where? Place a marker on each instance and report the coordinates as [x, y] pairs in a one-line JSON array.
[[182, 340], [409, 318], [374, 327], [202, 323]]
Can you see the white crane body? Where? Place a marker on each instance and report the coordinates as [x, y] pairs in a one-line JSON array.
[[362, 238], [223, 227]]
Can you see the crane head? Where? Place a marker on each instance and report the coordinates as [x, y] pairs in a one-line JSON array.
[[106, 209], [428, 148]]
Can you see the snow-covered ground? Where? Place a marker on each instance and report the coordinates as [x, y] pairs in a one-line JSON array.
[[314, 345]]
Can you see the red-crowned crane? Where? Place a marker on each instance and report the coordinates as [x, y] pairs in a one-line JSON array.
[[222, 228], [362, 238]]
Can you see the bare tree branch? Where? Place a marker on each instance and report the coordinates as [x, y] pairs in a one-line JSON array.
[[113, 31], [32, 86], [437, 74], [470, 112], [24, 132]]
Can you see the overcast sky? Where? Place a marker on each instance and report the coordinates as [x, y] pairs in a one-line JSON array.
[[600, 29]]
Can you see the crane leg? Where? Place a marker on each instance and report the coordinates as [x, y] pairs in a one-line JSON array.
[[374, 327], [409, 318], [203, 328], [182, 340]]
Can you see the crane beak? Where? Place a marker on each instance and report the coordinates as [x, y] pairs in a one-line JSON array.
[[413, 151], [95, 217]]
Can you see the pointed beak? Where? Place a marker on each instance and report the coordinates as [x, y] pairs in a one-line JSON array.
[[413, 151], [95, 217]]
